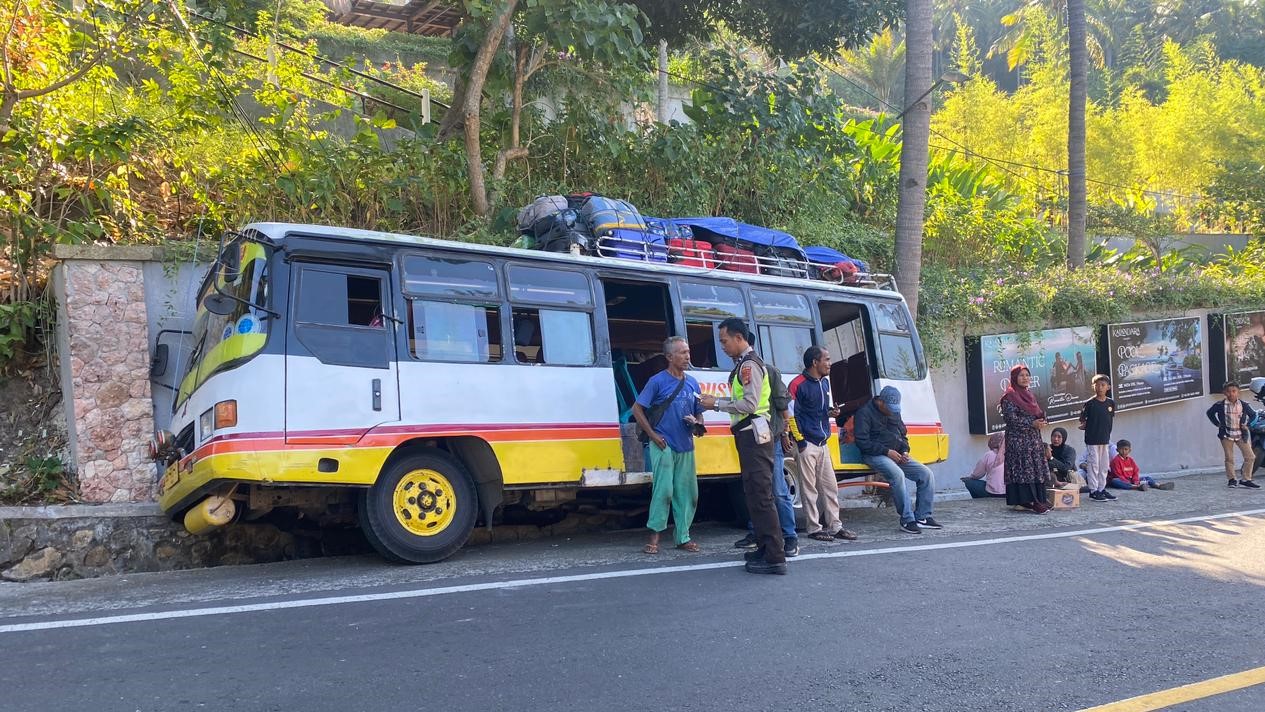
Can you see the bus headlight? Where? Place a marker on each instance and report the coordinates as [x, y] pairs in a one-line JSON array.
[[221, 415]]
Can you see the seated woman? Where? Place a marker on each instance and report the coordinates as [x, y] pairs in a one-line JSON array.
[[988, 477], [1063, 461]]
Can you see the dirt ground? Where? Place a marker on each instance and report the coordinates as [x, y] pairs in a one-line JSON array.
[[33, 442]]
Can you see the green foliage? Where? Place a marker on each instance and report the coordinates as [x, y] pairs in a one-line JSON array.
[[37, 479], [1237, 195], [788, 28], [1212, 115], [18, 322]]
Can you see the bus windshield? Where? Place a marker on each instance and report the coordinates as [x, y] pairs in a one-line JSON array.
[[223, 341]]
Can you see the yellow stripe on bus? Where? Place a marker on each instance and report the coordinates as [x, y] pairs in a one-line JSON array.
[[523, 462]]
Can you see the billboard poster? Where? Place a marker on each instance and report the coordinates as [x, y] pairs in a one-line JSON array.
[[1155, 362], [1244, 346], [1062, 362]]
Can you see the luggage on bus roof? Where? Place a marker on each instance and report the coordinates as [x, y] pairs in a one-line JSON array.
[[829, 256], [741, 246]]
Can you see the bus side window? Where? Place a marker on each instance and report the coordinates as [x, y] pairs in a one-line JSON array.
[[704, 307], [339, 299], [896, 343], [784, 326], [442, 331], [560, 337], [785, 346], [339, 318], [553, 336]]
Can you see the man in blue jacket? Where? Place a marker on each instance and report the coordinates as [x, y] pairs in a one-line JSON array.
[[812, 410], [883, 440], [1233, 418]]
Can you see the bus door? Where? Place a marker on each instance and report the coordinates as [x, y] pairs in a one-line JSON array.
[[844, 335], [640, 318], [341, 370]]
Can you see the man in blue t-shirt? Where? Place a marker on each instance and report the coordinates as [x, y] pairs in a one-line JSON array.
[[671, 448]]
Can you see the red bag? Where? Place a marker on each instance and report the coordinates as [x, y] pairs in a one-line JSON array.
[[736, 259], [691, 253]]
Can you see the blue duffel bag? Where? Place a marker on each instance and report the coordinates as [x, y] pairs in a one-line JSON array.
[[629, 244]]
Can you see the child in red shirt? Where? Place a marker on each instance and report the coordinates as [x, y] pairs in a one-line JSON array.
[[1124, 473]]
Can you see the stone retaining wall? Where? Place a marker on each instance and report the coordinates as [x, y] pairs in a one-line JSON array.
[[82, 541], [103, 335]]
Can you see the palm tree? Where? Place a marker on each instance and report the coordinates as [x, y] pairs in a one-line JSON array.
[[877, 66], [1077, 207], [915, 137]]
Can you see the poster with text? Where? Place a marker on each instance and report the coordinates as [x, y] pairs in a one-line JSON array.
[[1154, 362], [1062, 362], [1244, 347]]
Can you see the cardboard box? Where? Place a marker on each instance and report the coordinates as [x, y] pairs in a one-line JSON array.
[[1063, 499]]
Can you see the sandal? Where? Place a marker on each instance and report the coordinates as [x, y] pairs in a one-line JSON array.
[[846, 535], [820, 536], [689, 546], [650, 549]]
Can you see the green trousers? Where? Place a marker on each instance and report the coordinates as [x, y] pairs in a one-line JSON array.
[[674, 488]]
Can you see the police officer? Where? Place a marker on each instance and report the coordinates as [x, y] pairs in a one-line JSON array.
[[749, 412]]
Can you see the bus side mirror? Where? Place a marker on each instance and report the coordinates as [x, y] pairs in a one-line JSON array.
[[219, 304], [158, 363]]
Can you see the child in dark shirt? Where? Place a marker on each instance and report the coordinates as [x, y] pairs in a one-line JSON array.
[[1125, 473], [1096, 419]]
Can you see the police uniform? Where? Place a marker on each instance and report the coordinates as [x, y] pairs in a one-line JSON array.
[[751, 390]]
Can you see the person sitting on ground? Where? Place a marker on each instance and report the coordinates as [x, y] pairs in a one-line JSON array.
[[1063, 461], [883, 440], [988, 479], [1125, 473]]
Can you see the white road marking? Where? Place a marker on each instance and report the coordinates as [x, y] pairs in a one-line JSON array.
[[572, 578]]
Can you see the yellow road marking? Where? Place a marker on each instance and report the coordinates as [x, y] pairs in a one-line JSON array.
[[1185, 693]]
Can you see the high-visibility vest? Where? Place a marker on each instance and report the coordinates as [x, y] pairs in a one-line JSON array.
[[735, 386]]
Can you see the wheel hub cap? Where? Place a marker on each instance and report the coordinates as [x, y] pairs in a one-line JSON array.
[[424, 502]]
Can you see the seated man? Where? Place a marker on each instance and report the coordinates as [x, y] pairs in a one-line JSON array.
[[883, 440], [988, 479]]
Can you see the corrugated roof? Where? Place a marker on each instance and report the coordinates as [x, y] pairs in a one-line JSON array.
[[418, 17]]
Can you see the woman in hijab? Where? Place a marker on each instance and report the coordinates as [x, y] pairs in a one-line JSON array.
[[1026, 470], [1062, 459]]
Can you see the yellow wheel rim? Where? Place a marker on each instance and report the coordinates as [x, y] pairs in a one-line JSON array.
[[424, 502]]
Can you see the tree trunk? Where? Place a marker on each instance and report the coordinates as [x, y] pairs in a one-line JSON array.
[[451, 124], [1076, 197], [472, 103], [915, 135], [663, 81], [515, 150]]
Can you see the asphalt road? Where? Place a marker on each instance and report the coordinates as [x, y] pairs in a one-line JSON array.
[[1048, 619]]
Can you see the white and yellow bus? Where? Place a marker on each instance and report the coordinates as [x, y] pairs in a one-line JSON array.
[[426, 383]]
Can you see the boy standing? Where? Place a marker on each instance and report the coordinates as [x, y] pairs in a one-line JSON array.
[[1096, 420], [1125, 473], [1232, 416]]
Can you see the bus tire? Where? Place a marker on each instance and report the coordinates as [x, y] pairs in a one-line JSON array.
[[421, 510]]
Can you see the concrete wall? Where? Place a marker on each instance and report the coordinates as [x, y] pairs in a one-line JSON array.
[[1171, 438], [170, 292]]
